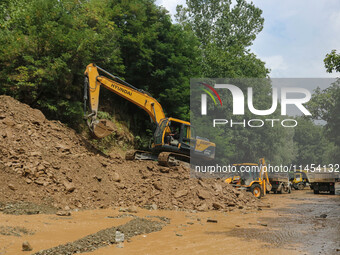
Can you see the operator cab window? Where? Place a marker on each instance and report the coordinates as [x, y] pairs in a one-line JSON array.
[[173, 137]]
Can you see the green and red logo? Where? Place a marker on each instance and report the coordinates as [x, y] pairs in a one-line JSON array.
[[209, 93]]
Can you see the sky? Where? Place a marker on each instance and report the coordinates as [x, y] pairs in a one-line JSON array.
[[296, 37]]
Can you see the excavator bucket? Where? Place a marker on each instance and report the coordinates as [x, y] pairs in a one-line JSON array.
[[103, 128]]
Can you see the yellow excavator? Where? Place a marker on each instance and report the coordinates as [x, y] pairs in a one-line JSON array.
[[251, 177], [173, 140]]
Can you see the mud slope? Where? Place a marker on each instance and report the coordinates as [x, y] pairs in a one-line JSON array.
[[44, 161]]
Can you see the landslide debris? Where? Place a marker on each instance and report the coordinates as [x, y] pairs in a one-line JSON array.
[[45, 162], [28, 208]]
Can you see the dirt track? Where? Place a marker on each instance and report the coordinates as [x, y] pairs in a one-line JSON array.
[[291, 225]]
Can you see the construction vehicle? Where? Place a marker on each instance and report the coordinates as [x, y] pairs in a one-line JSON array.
[[323, 180], [280, 182], [299, 179], [173, 140], [251, 177]]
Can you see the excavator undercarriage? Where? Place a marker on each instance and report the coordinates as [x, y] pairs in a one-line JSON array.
[[164, 158]]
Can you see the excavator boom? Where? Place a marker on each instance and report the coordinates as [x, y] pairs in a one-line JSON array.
[[94, 81], [173, 140]]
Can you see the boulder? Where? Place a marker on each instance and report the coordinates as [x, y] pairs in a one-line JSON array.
[[181, 193], [26, 246]]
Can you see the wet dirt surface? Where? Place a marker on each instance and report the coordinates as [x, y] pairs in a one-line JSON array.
[[297, 223]]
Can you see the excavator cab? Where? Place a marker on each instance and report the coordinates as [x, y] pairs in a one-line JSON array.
[[178, 136], [174, 135]]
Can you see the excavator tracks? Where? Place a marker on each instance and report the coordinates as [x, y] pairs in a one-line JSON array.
[[172, 159], [164, 158], [140, 155], [130, 155]]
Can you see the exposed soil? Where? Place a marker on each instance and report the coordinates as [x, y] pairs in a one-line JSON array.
[[46, 167], [293, 224], [47, 163]]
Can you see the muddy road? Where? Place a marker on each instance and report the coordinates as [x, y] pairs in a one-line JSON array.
[[297, 223]]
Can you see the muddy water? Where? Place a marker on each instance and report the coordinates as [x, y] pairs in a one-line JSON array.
[[291, 225]]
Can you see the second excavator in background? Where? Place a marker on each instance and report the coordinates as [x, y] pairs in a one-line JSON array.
[[173, 140]]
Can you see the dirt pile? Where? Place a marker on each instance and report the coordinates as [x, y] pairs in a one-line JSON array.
[[44, 161]]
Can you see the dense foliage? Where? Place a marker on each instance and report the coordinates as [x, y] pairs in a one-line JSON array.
[[225, 32], [325, 106], [45, 46]]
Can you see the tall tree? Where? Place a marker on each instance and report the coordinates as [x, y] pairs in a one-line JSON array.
[[225, 32], [158, 56], [45, 46], [311, 142], [332, 62], [325, 105]]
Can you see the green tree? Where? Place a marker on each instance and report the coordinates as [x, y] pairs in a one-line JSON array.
[[332, 62], [158, 56], [44, 48], [225, 33], [240, 142], [325, 105], [313, 147]]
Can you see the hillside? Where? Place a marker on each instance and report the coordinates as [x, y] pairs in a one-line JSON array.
[[44, 161]]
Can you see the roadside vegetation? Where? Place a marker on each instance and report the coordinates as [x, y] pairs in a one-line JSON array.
[[45, 46]]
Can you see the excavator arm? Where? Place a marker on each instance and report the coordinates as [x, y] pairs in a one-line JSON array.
[[94, 81], [264, 175]]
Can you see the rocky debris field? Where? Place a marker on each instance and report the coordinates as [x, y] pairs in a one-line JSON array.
[[28, 208], [46, 163]]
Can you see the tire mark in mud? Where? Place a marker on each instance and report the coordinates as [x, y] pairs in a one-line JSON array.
[[276, 238], [303, 222]]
